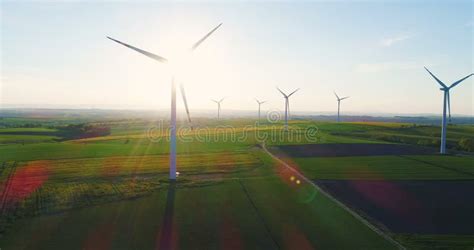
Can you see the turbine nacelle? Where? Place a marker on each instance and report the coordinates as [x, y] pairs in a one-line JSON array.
[[285, 95], [260, 102], [179, 64], [218, 102]]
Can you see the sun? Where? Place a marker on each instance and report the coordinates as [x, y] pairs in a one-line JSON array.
[[180, 63]]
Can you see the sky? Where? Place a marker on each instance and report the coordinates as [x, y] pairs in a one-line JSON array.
[[55, 53]]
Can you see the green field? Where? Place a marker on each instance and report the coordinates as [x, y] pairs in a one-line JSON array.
[[112, 190], [27, 135], [388, 167]]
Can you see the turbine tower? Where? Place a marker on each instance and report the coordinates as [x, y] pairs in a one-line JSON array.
[[339, 104], [173, 96], [259, 104], [446, 101], [287, 105], [218, 107]]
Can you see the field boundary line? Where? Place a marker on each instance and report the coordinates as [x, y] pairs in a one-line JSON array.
[[342, 205], [259, 215]]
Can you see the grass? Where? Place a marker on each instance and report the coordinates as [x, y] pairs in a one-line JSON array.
[[9, 139], [27, 135], [111, 191], [64, 150], [27, 130], [426, 135], [387, 167], [299, 217], [135, 221], [436, 241], [127, 166], [225, 219]]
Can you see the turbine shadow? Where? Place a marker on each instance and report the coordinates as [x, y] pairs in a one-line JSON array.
[[167, 228]]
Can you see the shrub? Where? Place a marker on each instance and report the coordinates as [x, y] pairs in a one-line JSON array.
[[424, 142], [466, 144]]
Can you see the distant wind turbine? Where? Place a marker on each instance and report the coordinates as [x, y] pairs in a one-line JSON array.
[[173, 96], [218, 107], [339, 104], [259, 104], [287, 105], [446, 101]]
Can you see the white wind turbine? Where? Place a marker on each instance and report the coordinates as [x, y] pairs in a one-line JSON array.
[[259, 104], [446, 101], [339, 104], [287, 105], [218, 107], [173, 96]]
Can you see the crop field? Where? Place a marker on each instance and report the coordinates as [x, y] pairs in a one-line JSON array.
[[422, 198], [111, 190], [426, 203], [26, 135]]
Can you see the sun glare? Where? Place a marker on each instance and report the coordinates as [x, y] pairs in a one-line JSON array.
[[179, 63]]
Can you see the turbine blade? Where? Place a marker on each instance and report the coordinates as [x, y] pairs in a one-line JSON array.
[[336, 95], [293, 92], [281, 92], [439, 81], [204, 38], [458, 82], [214, 101], [345, 98], [146, 53], [183, 94], [221, 100]]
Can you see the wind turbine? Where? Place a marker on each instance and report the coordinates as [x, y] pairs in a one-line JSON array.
[[446, 101], [173, 96], [259, 104], [339, 104], [218, 107], [287, 105]]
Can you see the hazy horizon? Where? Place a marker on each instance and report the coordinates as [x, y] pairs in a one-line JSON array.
[[225, 112]]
